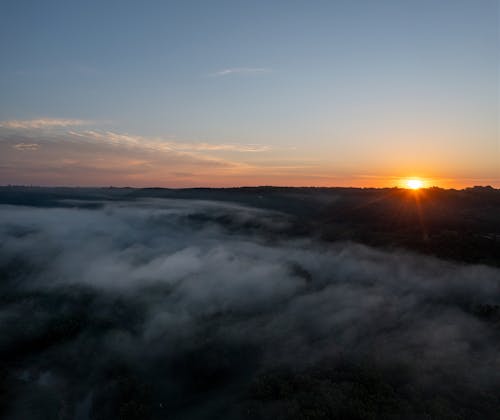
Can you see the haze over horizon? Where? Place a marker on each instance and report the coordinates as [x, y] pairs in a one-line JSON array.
[[233, 93]]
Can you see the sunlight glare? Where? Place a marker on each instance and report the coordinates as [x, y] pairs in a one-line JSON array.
[[414, 184]]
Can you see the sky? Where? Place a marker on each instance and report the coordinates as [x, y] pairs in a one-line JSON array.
[[229, 93]]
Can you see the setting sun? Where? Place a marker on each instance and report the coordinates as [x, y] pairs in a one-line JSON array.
[[414, 184]]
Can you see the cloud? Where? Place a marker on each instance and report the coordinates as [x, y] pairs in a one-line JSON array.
[[162, 144], [42, 123], [187, 309], [26, 146], [223, 147], [76, 156], [91, 157], [123, 139], [242, 70]]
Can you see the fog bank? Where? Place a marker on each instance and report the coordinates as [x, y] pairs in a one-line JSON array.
[[198, 309]]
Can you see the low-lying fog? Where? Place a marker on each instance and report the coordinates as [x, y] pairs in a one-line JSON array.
[[195, 309]]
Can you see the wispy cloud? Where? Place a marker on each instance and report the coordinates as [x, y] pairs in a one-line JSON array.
[[26, 146], [58, 152], [42, 123], [223, 147], [92, 157], [120, 139], [242, 70], [163, 145]]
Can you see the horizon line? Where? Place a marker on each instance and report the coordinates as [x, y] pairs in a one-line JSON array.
[[242, 187]]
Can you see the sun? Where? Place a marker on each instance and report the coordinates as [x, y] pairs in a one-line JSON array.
[[414, 183]]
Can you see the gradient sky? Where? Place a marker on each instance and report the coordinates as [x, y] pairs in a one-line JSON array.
[[221, 93]]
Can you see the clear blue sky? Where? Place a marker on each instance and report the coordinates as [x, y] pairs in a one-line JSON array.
[[320, 92]]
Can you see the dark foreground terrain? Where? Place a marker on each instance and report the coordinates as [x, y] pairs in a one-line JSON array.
[[249, 303]]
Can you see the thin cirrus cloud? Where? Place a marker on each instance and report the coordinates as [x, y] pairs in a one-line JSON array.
[[26, 146], [113, 138], [163, 145], [96, 157], [41, 123], [242, 71], [243, 148]]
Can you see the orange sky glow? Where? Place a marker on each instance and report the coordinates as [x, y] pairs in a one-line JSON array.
[[83, 157]]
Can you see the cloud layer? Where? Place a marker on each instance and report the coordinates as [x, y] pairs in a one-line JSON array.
[[180, 308], [42, 123], [92, 157]]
